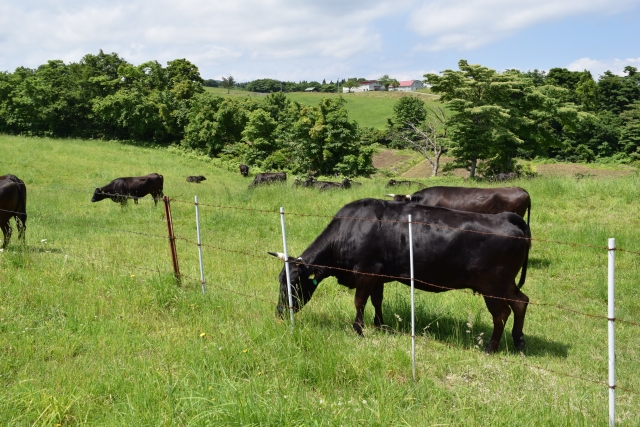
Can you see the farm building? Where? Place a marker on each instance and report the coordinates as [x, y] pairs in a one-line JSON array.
[[311, 89], [365, 86], [407, 86]]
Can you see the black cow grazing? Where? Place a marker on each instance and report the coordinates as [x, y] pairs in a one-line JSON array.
[[197, 179], [13, 203], [393, 183], [268, 178], [244, 170], [459, 250], [328, 185], [121, 189], [479, 200]]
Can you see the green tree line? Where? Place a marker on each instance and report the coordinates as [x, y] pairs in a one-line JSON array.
[[488, 118], [105, 97]]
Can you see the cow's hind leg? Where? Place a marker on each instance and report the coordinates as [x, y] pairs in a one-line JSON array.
[[6, 231], [518, 303], [376, 299], [360, 301], [499, 309]]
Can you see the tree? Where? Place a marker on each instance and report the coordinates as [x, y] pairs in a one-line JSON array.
[[429, 137], [228, 83], [630, 133], [351, 83], [385, 81], [494, 115]]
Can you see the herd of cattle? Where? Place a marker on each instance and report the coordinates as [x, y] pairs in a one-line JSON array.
[[463, 238]]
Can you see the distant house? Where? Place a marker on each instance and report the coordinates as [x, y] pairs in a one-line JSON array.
[[408, 86], [311, 89], [366, 86]]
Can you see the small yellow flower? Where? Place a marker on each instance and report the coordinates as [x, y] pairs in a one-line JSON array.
[[203, 334], [213, 399], [245, 350], [133, 275], [259, 373]]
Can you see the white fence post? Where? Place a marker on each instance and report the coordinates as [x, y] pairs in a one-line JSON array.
[[286, 264], [612, 350], [202, 281], [413, 312]]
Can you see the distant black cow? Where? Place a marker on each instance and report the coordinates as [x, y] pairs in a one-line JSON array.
[[121, 189], [452, 250], [393, 183], [308, 181], [197, 179], [479, 200], [268, 178], [244, 170], [328, 185], [13, 203], [501, 177]]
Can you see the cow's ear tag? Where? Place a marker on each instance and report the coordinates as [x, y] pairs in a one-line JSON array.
[[315, 282]]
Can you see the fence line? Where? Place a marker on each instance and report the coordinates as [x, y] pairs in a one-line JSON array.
[[398, 278], [539, 239]]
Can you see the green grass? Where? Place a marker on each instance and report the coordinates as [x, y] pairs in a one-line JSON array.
[[86, 338], [370, 109]]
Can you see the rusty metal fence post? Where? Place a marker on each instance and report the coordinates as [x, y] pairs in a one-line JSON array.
[[172, 238]]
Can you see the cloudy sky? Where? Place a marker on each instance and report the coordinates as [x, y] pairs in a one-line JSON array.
[[329, 39]]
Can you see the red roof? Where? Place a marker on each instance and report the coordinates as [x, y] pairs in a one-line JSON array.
[[368, 82], [406, 83]]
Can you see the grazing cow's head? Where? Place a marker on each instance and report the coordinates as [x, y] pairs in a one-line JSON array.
[[400, 197], [98, 195], [303, 284]]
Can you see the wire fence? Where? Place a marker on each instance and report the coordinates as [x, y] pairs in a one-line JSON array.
[[188, 278]]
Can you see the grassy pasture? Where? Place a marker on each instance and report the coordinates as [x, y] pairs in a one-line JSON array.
[[89, 338], [370, 109]]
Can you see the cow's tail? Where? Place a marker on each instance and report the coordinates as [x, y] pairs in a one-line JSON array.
[[529, 211], [523, 273], [22, 207]]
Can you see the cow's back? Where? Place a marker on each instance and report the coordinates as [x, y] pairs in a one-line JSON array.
[[478, 200]]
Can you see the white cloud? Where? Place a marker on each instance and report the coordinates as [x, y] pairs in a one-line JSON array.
[[467, 24], [598, 67], [210, 32]]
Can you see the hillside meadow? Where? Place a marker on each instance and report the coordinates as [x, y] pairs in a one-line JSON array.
[[369, 109], [94, 329]]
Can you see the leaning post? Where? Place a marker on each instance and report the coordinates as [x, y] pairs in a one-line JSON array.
[[172, 239], [286, 264]]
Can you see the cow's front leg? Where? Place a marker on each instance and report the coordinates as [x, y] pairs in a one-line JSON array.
[[360, 300]]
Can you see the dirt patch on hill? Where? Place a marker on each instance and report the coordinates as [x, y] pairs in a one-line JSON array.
[[570, 169], [388, 158], [423, 169]]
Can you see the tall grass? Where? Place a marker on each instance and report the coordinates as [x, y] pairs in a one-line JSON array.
[[88, 338]]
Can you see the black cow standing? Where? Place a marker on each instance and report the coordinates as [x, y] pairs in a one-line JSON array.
[[456, 250], [13, 204], [393, 183], [121, 189], [479, 200], [268, 178], [244, 170]]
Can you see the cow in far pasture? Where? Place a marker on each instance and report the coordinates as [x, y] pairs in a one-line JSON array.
[[244, 170], [197, 179], [268, 178], [122, 189]]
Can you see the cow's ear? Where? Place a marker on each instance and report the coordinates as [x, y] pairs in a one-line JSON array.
[[280, 256]]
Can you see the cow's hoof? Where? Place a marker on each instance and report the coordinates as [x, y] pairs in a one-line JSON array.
[[491, 348], [520, 345], [358, 328]]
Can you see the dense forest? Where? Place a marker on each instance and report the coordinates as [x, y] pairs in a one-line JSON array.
[[491, 118]]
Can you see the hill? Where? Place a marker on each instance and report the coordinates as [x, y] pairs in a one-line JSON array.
[[369, 109], [94, 329]]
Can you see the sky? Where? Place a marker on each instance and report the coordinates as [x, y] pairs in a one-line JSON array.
[[329, 39]]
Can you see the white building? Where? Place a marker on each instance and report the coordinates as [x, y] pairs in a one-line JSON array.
[[365, 86], [408, 86]]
